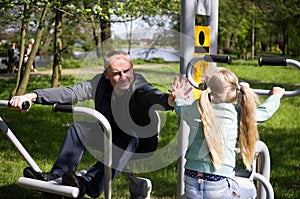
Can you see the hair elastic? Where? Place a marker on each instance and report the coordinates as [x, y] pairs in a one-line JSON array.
[[244, 84], [208, 90]]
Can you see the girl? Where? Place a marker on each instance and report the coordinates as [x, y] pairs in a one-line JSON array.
[[215, 125]]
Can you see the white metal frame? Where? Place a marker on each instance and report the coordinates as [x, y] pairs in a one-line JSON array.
[[55, 186]]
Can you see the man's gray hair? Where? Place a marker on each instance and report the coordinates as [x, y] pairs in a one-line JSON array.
[[113, 53]]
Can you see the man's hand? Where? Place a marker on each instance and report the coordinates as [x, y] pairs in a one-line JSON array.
[[17, 101]]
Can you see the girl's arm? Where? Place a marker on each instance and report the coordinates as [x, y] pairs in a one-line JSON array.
[[266, 110]]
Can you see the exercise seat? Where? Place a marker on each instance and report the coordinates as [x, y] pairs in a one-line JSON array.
[[260, 172]]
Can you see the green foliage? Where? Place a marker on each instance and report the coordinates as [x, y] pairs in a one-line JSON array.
[[71, 63], [275, 25], [276, 22], [140, 61], [3, 49]]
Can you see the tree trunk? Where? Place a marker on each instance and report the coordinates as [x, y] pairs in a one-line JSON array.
[[57, 62], [22, 48], [105, 28], [38, 36], [233, 35], [253, 31], [48, 38], [105, 34], [285, 43], [96, 37], [129, 34]]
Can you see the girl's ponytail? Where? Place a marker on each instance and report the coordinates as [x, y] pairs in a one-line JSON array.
[[211, 131], [248, 129]]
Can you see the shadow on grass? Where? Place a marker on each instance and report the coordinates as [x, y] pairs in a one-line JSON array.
[[40, 131], [9, 192]]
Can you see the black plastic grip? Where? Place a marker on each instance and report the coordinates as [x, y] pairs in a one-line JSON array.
[[218, 59], [62, 108], [272, 61], [25, 105]]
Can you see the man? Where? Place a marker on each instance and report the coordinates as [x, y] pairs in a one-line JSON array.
[[127, 101], [13, 57]]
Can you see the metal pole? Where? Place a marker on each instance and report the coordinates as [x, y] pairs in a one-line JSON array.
[[107, 145], [49, 187], [19, 146], [213, 21], [264, 168], [187, 52]]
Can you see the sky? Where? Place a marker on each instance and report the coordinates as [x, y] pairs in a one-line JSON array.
[[140, 29]]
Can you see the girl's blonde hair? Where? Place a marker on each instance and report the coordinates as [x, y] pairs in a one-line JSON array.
[[222, 87]]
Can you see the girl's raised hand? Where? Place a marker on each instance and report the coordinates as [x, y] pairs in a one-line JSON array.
[[180, 87]]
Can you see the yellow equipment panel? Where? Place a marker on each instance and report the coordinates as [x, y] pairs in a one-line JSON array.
[[202, 47]]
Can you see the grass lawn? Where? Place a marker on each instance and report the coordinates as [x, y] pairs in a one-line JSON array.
[[41, 131]]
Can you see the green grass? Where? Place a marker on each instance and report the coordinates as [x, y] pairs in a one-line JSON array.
[[42, 131]]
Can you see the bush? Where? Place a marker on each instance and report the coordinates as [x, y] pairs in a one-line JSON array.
[[71, 63], [141, 61], [3, 49]]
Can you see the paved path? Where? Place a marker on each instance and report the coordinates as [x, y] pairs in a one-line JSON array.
[[80, 70]]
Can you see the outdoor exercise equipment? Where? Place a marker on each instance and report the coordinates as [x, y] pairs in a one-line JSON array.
[[261, 165], [196, 42], [139, 188], [189, 9], [206, 58], [53, 186]]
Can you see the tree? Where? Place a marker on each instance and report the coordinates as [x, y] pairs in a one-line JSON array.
[[22, 50], [281, 22], [125, 11], [58, 48], [230, 23], [23, 76]]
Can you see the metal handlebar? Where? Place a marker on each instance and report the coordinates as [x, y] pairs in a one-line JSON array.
[[278, 61], [107, 144], [261, 61], [206, 58], [25, 105]]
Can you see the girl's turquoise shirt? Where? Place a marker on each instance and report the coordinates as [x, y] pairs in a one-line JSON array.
[[227, 116]]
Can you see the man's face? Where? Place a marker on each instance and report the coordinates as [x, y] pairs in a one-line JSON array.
[[120, 72]]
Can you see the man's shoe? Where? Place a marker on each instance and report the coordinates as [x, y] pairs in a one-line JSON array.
[[30, 173], [69, 178]]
